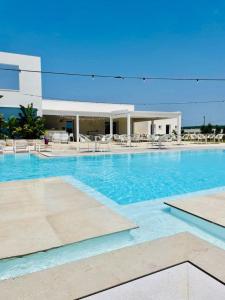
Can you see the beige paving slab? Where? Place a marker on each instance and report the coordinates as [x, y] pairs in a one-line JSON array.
[[210, 207], [45, 213], [94, 274]]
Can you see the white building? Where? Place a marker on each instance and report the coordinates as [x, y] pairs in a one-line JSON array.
[[76, 116]]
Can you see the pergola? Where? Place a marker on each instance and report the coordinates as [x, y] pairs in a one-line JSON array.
[[129, 115]]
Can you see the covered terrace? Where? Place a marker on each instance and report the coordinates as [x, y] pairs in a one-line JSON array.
[[102, 120]]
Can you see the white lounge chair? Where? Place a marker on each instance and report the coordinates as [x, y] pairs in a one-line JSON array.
[[211, 138], [40, 146], [157, 141], [21, 146], [219, 137], [2, 146], [202, 138], [60, 137], [86, 140], [104, 140]]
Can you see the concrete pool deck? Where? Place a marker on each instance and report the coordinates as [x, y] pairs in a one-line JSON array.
[[60, 150], [41, 214], [95, 274], [210, 207]]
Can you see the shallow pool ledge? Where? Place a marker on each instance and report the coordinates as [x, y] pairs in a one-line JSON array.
[[92, 275], [209, 207], [42, 214]]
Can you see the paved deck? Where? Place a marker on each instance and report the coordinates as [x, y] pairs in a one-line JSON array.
[[210, 207], [46, 213], [83, 278], [70, 149]]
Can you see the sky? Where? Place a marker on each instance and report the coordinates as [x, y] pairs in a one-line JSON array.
[[141, 38]]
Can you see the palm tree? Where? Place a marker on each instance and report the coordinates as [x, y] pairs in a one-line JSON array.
[[32, 126], [13, 129], [28, 125], [2, 126]]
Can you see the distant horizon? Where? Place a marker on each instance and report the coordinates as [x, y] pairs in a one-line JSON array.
[[156, 38]]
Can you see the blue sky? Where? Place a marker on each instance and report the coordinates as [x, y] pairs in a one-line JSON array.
[[151, 38]]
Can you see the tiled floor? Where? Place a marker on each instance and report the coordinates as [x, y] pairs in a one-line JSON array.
[[210, 207], [45, 213], [94, 274]]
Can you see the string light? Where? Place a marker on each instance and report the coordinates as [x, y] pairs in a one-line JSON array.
[[143, 78], [136, 103]]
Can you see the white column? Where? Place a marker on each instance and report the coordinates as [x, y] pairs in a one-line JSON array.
[[78, 132], [149, 128], [179, 128], [128, 130], [111, 126]]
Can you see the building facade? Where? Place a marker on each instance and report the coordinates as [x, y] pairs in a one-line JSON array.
[[76, 116]]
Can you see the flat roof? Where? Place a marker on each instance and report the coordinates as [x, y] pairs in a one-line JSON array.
[[92, 109]]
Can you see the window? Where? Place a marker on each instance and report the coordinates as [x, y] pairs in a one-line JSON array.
[[160, 127], [9, 80]]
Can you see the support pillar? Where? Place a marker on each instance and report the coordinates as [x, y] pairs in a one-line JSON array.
[[78, 132], [128, 129], [179, 128], [111, 126]]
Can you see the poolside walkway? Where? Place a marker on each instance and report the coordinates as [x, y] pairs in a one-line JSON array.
[[92, 275], [59, 150], [210, 207], [46, 213]]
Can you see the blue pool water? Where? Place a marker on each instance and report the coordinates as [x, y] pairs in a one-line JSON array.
[[127, 178], [123, 182]]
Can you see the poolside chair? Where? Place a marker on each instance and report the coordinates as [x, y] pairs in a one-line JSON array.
[[185, 137], [60, 137], [40, 146], [86, 140], [116, 138], [135, 139], [104, 140], [155, 141], [211, 138], [2, 146], [219, 137], [202, 138], [21, 146], [64, 138]]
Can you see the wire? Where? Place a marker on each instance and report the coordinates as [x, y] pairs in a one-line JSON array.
[[135, 103], [144, 78]]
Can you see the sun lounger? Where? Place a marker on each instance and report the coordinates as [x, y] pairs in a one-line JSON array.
[[86, 140], [60, 138], [2, 146], [40, 146], [104, 140], [21, 146]]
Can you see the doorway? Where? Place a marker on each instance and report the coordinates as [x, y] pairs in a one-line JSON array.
[[168, 129], [107, 127]]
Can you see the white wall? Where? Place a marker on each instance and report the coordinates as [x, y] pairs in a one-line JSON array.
[[29, 83], [160, 126]]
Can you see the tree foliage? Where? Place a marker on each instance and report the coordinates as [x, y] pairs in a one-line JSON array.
[[206, 128], [27, 125], [31, 125]]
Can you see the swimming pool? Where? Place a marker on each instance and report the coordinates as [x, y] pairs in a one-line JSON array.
[[127, 178], [123, 183]]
